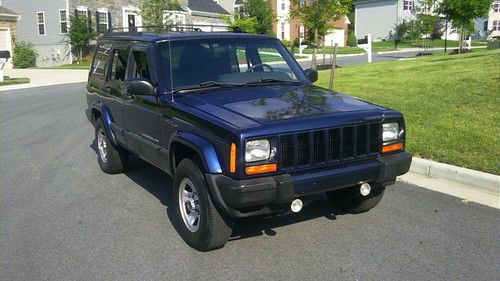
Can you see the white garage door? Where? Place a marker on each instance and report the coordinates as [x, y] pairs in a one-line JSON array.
[[6, 43], [335, 35]]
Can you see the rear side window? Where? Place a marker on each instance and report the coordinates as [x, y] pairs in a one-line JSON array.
[[101, 60], [140, 66], [119, 65]]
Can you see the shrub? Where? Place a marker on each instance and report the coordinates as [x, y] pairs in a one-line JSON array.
[[352, 41], [286, 42], [24, 55], [296, 42]]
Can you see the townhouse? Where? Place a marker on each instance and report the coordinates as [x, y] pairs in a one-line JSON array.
[[45, 23]]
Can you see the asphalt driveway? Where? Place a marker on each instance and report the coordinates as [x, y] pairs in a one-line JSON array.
[[61, 218]]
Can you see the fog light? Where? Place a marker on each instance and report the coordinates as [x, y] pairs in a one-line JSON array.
[[365, 189], [296, 205]]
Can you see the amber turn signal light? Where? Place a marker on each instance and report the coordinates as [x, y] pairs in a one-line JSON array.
[[392, 147], [232, 159], [261, 169]]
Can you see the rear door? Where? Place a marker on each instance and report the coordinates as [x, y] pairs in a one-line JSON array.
[[141, 113]]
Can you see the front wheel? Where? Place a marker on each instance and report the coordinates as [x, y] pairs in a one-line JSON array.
[[350, 199], [199, 222]]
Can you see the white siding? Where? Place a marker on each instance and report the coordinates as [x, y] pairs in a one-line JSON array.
[[377, 18]]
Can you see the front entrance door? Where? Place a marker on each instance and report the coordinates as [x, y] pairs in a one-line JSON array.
[[131, 21]]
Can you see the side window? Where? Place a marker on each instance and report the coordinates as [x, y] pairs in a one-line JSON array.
[[139, 65], [101, 60], [119, 66]]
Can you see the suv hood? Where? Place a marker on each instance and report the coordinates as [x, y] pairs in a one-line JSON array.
[[250, 106]]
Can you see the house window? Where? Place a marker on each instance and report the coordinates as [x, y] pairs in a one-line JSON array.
[[63, 20], [496, 25], [102, 25], [485, 26], [282, 31], [283, 5], [41, 23], [81, 13], [496, 7], [408, 5]]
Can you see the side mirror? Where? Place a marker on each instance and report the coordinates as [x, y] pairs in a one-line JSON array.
[[140, 87], [312, 74]]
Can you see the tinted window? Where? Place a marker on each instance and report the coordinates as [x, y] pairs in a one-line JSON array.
[[140, 66], [224, 60], [119, 66], [101, 59]]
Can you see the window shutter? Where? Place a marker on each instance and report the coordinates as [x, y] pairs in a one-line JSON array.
[[97, 20], [89, 19], [109, 20]]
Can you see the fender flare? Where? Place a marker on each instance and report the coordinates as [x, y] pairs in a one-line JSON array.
[[205, 150], [107, 119]]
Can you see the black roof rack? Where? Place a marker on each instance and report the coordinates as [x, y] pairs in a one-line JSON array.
[[173, 28]]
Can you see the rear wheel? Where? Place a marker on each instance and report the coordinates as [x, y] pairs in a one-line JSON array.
[[112, 159], [350, 199], [199, 222]]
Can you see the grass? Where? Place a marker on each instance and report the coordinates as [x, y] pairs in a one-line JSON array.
[[14, 81], [83, 65], [450, 102], [340, 50], [384, 46]]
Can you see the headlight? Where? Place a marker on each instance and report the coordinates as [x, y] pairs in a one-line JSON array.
[[257, 150], [390, 131]]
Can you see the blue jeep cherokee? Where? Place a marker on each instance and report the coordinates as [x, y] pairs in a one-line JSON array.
[[240, 127]]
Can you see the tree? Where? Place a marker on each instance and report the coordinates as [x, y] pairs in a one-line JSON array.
[[79, 34], [463, 12], [261, 13], [318, 17], [153, 11], [246, 24]]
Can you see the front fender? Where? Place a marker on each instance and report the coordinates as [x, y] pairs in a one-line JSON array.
[[203, 147]]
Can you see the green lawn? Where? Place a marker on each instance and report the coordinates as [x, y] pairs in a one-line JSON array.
[[83, 65], [451, 103], [14, 81], [340, 51], [383, 46]]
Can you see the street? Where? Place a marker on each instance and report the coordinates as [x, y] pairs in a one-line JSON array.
[[61, 218], [360, 59]]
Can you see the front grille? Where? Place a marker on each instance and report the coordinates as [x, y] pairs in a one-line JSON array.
[[328, 145]]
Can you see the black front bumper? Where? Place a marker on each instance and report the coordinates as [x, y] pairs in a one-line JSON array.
[[264, 195]]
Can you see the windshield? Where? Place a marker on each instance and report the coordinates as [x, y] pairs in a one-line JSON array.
[[227, 61]]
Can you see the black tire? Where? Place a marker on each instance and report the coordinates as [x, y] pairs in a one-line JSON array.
[[115, 159], [350, 200], [213, 230]]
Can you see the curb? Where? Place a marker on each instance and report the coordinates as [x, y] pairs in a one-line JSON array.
[[407, 50], [474, 179]]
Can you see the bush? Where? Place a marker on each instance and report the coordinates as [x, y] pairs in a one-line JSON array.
[[352, 41], [24, 55], [286, 42], [296, 42]]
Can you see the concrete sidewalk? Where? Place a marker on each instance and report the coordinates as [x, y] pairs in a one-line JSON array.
[[45, 77]]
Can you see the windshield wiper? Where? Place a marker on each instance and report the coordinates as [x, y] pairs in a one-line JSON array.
[[207, 84], [272, 80]]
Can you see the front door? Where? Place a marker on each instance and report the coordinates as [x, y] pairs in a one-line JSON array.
[[116, 88], [141, 113], [131, 21]]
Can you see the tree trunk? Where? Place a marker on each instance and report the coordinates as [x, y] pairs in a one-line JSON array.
[[80, 56], [315, 50], [461, 40]]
